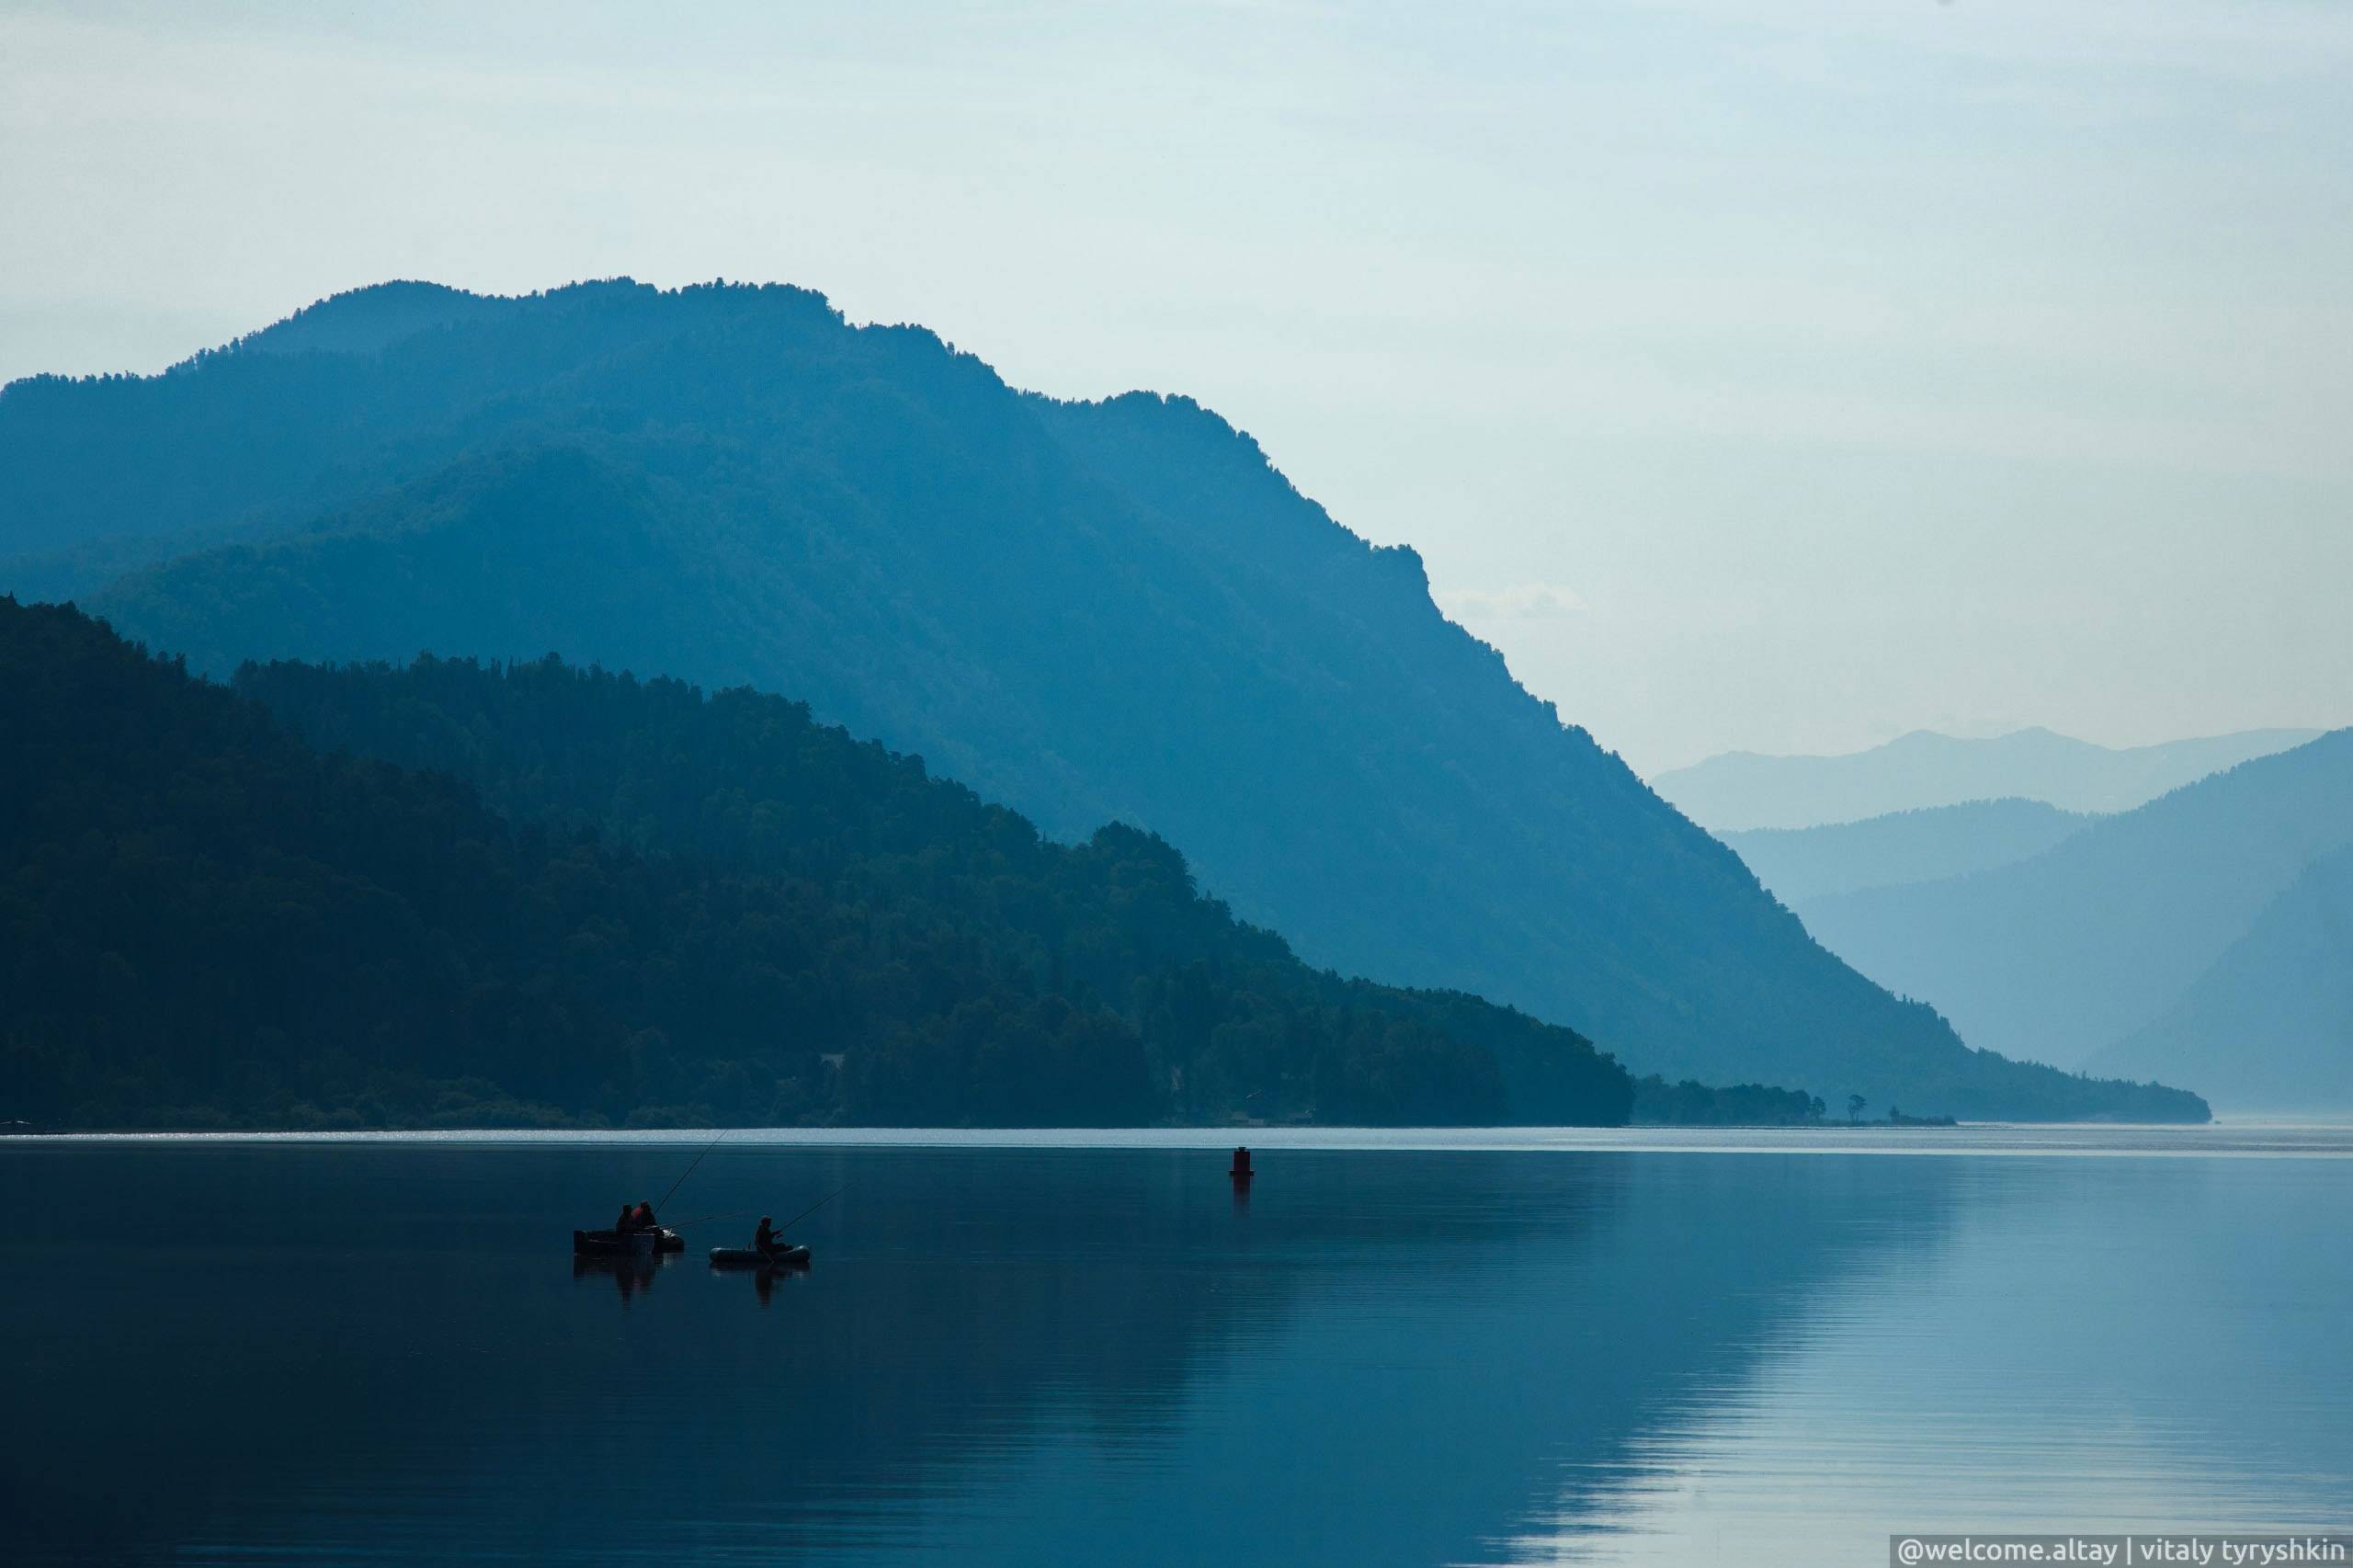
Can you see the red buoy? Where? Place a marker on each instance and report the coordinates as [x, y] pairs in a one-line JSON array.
[[1240, 1171]]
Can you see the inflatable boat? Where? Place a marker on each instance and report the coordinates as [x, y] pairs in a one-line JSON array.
[[626, 1243], [751, 1257]]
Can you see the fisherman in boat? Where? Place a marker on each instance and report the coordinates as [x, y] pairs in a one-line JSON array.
[[642, 1218], [765, 1241], [626, 1223]]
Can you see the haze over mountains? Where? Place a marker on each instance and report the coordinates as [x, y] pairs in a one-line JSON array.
[[1802, 864], [2269, 1025], [1113, 611], [2056, 955], [2203, 938], [1742, 790]]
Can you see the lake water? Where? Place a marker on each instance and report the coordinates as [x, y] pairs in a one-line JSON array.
[[1620, 1348]]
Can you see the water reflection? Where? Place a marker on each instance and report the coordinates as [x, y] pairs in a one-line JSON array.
[[1019, 1356], [629, 1273], [2160, 1345], [763, 1275]]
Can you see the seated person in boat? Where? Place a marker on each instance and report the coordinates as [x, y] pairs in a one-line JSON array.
[[641, 1217], [625, 1224], [765, 1241]]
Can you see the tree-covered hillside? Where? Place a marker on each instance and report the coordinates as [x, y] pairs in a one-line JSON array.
[[204, 921], [1093, 612]]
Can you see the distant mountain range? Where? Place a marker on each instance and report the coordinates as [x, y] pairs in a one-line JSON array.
[[1803, 864], [2203, 938], [1742, 790], [2269, 1025], [1092, 612], [2097, 938]]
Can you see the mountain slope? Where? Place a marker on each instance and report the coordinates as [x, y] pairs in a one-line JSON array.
[[368, 321], [201, 920], [1801, 864], [2056, 955], [1742, 791], [752, 782], [1091, 611], [2269, 1026], [122, 470]]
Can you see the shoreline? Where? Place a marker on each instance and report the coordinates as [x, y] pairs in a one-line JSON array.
[[2252, 1139]]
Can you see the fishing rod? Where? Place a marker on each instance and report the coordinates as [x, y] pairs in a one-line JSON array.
[[768, 1116], [746, 1213], [813, 1208]]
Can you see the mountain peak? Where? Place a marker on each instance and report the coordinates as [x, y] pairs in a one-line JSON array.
[[365, 320], [1090, 612]]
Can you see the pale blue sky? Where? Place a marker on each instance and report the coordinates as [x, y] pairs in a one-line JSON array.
[[1778, 375]]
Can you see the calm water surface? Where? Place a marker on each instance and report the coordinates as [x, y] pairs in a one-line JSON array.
[[1422, 1348]]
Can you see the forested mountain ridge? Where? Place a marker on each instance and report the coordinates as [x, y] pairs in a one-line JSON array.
[[204, 922], [1090, 611], [752, 781], [274, 428]]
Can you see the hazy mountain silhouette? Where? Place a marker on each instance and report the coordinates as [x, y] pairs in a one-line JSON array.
[[366, 321], [1742, 790], [1090, 611], [2054, 957], [1799, 864], [2269, 1025]]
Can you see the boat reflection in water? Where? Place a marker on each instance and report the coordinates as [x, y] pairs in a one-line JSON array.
[[791, 1260], [1395, 1356], [764, 1279], [629, 1273]]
